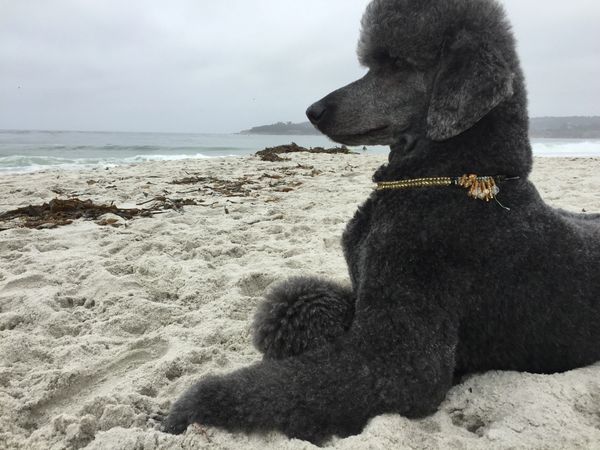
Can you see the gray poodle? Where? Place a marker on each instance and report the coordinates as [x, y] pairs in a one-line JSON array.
[[446, 280]]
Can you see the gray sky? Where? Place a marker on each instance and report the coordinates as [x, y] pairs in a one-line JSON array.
[[222, 66]]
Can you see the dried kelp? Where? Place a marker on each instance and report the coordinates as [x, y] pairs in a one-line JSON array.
[[162, 203], [245, 186], [239, 187], [59, 212], [272, 154]]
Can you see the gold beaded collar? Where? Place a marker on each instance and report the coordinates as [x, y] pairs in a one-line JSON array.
[[481, 188]]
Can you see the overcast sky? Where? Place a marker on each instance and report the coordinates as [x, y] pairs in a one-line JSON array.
[[226, 65]]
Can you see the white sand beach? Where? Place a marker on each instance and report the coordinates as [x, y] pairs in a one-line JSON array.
[[102, 327]]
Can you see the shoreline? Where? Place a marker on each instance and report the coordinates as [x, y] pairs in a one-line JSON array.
[[101, 327], [132, 165], [97, 152]]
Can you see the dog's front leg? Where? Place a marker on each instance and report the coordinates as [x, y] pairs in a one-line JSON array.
[[386, 363]]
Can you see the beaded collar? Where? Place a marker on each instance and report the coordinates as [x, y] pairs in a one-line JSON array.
[[480, 188]]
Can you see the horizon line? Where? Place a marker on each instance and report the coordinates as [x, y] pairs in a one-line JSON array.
[[55, 130]]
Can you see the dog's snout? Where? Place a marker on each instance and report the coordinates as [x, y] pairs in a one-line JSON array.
[[316, 112]]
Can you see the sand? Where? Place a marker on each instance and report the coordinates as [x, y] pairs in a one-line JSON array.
[[102, 327]]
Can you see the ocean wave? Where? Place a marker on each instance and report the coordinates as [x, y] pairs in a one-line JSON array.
[[109, 150], [148, 158], [113, 148], [27, 164], [559, 148]]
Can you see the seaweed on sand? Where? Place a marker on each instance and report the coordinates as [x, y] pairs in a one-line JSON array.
[[272, 154], [228, 188], [59, 212]]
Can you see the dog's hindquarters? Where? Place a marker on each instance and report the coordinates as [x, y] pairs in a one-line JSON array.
[[302, 313]]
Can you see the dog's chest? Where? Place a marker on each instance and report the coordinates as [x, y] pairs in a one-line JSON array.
[[378, 233], [382, 222], [399, 228]]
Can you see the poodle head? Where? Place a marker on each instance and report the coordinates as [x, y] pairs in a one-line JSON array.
[[436, 67]]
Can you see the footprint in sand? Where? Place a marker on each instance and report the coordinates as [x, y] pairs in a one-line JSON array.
[[33, 281], [255, 284], [97, 380]]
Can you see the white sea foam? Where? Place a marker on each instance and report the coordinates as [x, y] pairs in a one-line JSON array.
[[566, 148], [146, 158], [28, 164]]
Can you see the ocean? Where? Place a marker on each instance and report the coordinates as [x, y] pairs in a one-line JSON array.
[[30, 151]]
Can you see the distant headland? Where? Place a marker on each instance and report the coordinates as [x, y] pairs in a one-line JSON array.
[[575, 127], [284, 128]]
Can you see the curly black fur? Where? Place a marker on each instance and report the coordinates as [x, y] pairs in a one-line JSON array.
[[441, 285], [302, 313]]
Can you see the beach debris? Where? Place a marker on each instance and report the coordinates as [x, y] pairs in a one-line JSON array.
[[111, 220], [272, 157], [58, 191], [271, 176], [163, 203], [199, 429], [284, 186], [60, 212], [272, 154], [281, 179], [239, 187], [287, 172]]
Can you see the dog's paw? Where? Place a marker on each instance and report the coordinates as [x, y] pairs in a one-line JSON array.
[[211, 401], [175, 423]]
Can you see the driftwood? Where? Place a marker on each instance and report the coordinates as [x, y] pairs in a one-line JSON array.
[[272, 154]]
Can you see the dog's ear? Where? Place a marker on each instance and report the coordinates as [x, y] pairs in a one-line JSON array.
[[471, 81]]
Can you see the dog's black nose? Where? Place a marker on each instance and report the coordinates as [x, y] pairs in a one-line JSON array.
[[316, 112]]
